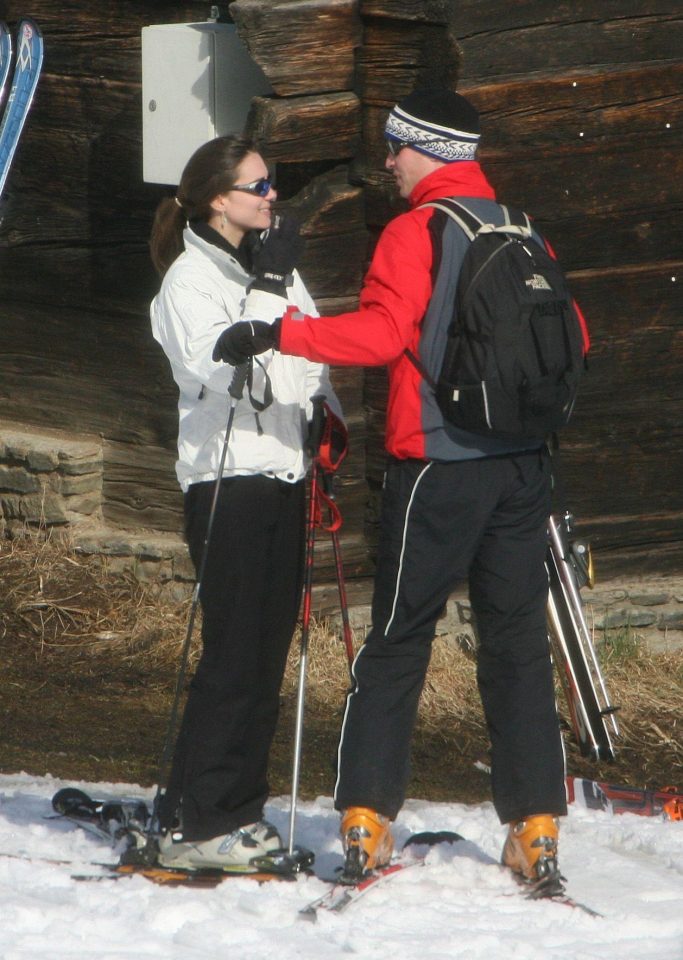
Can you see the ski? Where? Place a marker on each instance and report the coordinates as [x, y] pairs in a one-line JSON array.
[[591, 712], [342, 894], [123, 822], [667, 802], [5, 57], [176, 876], [561, 898], [163, 876], [29, 61]]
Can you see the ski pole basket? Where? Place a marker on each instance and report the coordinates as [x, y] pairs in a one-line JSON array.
[[591, 713]]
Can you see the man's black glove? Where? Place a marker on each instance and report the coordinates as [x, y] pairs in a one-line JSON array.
[[277, 256], [245, 339]]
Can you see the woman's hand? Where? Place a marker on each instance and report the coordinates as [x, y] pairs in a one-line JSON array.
[[277, 256], [243, 340]]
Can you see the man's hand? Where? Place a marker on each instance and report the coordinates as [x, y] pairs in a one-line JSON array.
[[244, 340], [277, 256]]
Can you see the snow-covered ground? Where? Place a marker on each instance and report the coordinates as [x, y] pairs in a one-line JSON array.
[[460, 905]]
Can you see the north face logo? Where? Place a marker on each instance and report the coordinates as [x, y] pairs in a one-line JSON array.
[[538, 282]]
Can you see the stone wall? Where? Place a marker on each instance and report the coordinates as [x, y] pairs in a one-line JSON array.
[[53, 482], [48, 480], [648, 611]]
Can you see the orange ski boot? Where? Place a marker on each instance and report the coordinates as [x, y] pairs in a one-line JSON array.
[[367, 840], [530, 851]]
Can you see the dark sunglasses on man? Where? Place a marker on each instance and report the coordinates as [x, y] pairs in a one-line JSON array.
[[259, 187], [395, 146]]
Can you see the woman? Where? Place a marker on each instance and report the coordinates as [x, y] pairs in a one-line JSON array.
[[223, 258]]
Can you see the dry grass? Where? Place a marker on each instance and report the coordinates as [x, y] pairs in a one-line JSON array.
[[89, 662]]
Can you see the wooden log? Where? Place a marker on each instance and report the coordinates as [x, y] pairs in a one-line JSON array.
[[413, 11], [396, 56], [652, 558], [574, 36], [302, 46], [69, 273], [322, 127], [100, 374], [330, 211], [629, 102], [89, 24], [328, 205], [140, 487], [487, 16]]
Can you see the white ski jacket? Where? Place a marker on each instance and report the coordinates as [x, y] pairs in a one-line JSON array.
[[205, 290]]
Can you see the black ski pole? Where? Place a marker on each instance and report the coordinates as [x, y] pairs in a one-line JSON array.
[[148, 853]]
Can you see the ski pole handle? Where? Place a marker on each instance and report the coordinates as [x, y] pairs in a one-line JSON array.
[[239, 378], [316, 426]]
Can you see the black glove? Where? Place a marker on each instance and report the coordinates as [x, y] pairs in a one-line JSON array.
[[277, 256], [245, 339]]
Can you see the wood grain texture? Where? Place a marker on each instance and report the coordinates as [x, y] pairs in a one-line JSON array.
[[582, 117], [320, 127], [303, 46]]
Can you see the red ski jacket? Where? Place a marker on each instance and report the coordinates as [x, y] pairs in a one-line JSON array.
[[396, 294]]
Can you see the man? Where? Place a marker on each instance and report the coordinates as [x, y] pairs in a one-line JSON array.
[[455, 505]]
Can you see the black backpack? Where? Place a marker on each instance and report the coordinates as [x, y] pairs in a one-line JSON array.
[[514, 349]]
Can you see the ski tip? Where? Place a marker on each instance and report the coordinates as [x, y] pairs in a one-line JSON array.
[[430, 838], [73, 802]]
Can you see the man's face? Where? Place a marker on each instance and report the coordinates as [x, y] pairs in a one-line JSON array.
[[408, 167]]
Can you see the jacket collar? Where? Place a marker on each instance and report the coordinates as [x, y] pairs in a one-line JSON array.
[[462, 179], [200, 236]]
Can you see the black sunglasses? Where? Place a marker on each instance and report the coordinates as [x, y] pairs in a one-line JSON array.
[[260, 187], [395, 146]]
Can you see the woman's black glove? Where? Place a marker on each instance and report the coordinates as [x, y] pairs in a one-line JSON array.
[[245, 339], [277, 256]]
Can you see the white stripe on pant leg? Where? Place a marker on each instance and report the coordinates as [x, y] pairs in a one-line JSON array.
[[386, 629], [403, 548], [346, 713]]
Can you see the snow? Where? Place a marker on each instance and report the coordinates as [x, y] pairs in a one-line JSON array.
[[459, 905]]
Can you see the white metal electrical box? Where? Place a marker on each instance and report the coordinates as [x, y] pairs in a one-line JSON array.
[[198, 81]]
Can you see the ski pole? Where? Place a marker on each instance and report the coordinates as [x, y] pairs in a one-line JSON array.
[[347, 635], [303, 654], [301, 857], [235, 391]]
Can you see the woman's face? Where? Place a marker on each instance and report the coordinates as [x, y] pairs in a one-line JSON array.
[[238, 211]]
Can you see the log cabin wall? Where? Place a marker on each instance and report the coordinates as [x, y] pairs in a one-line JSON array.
[[581, 110], [582, 125]]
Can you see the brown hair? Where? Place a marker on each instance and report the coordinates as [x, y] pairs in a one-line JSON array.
[[211, 170]]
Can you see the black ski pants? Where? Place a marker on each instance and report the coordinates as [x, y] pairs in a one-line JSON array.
[[483, 520], [250, 595]]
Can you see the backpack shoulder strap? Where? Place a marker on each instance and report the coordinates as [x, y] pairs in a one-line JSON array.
[[516, 218], [466, 220], [470, 223]]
